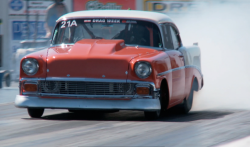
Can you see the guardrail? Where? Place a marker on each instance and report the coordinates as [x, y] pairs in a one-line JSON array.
[[5, 76]]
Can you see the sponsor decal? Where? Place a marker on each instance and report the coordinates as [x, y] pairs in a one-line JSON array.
[[113, 20], [87, 20], [98, 20], [16, 5], [95, 5], [104, 4], [173, 7], [19, 29], [109, 21], [129, 21]]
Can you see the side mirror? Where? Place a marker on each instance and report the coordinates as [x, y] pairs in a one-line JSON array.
[[196, 43]]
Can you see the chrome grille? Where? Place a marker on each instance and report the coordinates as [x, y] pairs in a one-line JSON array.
[[85, 88]]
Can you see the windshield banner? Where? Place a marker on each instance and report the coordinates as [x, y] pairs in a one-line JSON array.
[[70, 23], [103, 4]]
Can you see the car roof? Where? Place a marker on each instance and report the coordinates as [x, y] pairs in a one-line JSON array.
[[122, 14]]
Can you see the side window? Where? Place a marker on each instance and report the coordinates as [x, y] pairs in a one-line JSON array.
[[174, 38], [167, 36], [55, 35]]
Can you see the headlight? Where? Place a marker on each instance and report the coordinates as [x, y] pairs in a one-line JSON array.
[[30, 66], [143, 69]]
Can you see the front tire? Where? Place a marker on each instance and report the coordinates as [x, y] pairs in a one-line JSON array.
[[35, 112], [151, 115]]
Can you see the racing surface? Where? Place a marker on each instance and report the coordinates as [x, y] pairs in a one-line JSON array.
[[199, 128]]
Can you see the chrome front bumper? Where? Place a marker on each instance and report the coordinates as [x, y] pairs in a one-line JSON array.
[[94, 104]]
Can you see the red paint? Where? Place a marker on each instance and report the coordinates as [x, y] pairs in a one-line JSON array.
[[93, 58]]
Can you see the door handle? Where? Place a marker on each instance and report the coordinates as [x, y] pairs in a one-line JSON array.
[[181, 56]]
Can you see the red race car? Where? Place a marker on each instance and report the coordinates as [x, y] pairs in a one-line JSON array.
[[111, 60]]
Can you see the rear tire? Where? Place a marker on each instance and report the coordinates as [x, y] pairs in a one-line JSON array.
[[187, 103], [35, 112]]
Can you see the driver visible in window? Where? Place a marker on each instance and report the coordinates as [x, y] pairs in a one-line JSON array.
[[136, 34]]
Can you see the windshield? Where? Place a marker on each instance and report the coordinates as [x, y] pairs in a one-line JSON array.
[[131, 31]]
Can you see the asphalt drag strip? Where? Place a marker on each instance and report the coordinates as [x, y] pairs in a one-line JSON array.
[[124, 128]]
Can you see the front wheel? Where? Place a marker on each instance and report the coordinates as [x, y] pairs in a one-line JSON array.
[[151, 115], [35, 112]]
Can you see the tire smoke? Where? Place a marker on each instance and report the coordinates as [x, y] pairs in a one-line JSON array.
[[223, 33]]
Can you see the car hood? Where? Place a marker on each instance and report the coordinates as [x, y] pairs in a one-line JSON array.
[[92, 58]]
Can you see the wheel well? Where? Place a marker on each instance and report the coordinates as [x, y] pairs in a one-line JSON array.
[[195, 84], [164, 91], [202, 83]]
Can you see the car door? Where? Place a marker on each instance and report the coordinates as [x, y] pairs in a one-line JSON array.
[[172, 44]]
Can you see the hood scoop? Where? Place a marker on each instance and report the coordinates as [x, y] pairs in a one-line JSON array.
[[89, 58]]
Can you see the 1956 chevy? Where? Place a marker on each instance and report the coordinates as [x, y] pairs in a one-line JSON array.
[[111, 60]]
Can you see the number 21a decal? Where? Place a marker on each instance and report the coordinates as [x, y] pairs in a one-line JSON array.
[[68, 24]]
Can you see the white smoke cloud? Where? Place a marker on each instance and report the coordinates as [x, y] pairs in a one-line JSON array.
[[223, 33]]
